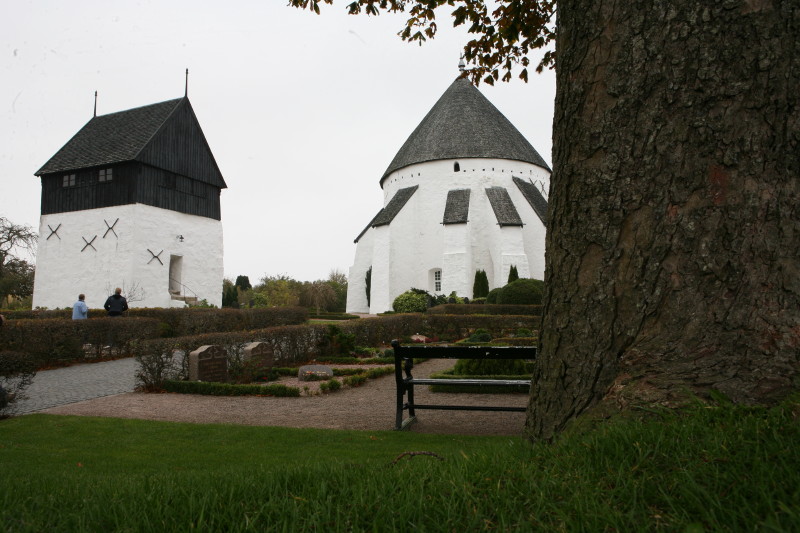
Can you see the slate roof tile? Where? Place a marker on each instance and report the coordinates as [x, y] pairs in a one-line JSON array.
[[456, 210], [112, 138], [503, 207], [534, 197]]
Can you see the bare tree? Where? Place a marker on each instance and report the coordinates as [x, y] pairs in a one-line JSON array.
[[15, 272]]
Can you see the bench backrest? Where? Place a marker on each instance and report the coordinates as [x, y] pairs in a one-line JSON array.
[[463, 352]]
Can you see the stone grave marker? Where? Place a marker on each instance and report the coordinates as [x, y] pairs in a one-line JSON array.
[[260, 353], [314, 372], [208, 363]]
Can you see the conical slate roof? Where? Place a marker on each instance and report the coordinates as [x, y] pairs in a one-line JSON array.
[[464, 124]]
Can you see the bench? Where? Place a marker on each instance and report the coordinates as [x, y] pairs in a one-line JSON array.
[[404, 362]]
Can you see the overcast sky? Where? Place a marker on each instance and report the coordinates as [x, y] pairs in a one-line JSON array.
[[302, 112]]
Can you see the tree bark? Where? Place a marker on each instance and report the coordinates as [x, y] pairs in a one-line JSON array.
[[673, 246]]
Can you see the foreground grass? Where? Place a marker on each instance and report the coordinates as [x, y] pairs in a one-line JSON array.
[[721, 468]]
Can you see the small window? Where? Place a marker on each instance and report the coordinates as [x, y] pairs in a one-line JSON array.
[[105, 175], [437, 280], [69, 180], [456, 167]]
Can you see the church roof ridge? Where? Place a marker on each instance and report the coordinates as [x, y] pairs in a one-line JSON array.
[[464, 124]]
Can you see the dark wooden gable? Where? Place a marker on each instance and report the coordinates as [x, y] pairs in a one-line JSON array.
[[180, 147], [157, 156]]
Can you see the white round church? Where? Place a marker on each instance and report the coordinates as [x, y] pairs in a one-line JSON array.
[[466, 192]]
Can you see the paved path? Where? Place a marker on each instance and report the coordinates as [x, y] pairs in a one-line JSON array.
[[76, 383]]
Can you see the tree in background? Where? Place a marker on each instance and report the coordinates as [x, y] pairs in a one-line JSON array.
[[230, 294], [243, 283], [277, 291], [338, 282], [512, 274], [674, 188], [480, 287], [322, 294], [16, 274]]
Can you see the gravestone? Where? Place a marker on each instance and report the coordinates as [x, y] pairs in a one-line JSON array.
[[259, 353], [208, 363], [314, 372]]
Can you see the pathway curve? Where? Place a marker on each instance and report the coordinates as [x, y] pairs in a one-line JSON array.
[[61, 386]]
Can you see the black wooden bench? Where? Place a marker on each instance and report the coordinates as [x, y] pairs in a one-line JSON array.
[[404, 362]]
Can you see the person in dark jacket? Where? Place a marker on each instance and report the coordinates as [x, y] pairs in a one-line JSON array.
[[116, 304]]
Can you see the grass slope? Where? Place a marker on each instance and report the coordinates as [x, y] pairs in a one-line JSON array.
[[721, 468]]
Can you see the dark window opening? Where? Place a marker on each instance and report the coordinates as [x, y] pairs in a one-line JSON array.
[[456, 167], [105, 175]]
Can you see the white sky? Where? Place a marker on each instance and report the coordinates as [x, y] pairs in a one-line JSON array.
[[302, 112]]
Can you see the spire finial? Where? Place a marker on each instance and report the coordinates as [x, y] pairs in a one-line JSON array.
[[461, 64], [95, 103], [186, 89]]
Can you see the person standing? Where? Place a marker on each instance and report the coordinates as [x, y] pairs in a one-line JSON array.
[[80, 311], [116, 304]]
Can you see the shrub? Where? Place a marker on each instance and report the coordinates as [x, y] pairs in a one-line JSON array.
[[522, 292], [332, 385], [480, 335], [17, 371], [410, 302], [480, 287], [355, 380], [491, 298], [513, 275], [159, 366]]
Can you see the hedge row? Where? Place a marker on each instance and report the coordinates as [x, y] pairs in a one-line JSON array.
[[176, 322], [52, 341], [228, 389], [484, 309]]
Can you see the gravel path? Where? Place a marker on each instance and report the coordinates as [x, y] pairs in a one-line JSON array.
[[368, 407]]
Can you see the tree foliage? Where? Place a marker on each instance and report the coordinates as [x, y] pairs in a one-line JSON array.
[[505, 33]]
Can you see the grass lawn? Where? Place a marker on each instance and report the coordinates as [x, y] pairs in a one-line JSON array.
[[720, 468]]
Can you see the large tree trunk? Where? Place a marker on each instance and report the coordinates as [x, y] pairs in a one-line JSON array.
[[673, 247]]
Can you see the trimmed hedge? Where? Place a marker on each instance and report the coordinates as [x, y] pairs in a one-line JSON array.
[[228, 389], [486, 309], [178, 322], [332, 316], [53, 341]]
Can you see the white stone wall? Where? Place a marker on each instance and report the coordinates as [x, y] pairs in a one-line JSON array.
[[403, 254], [63, 270]]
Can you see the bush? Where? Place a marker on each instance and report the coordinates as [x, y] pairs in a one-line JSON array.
[[355, 380], [480, 287], [480, 335], [491, 298], [410, 302], [522, 292], [17, 371], [332, 385]]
